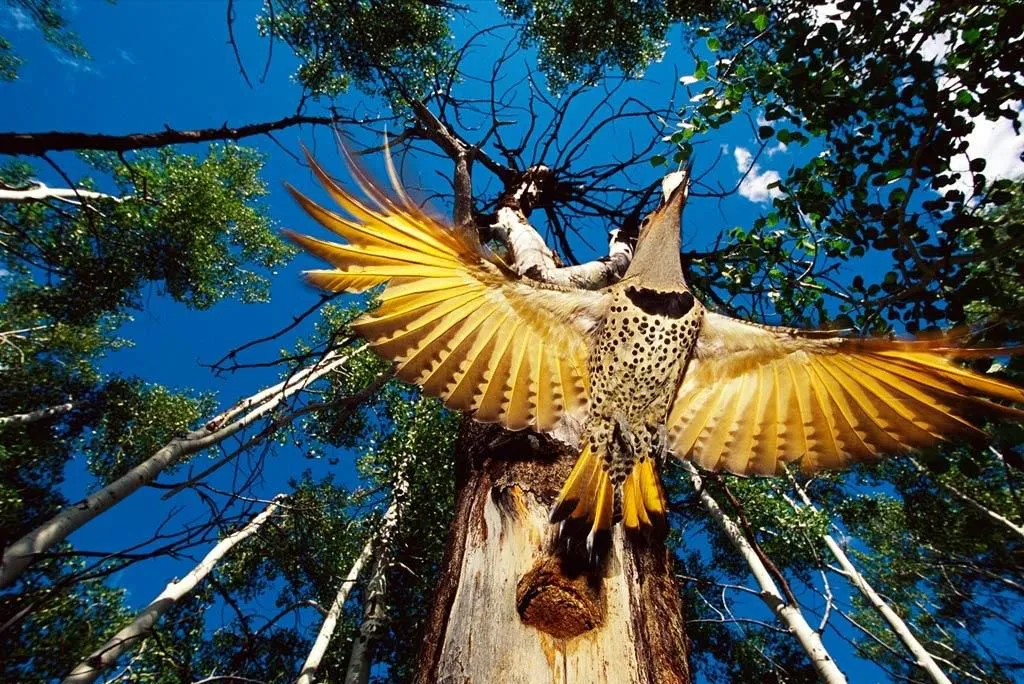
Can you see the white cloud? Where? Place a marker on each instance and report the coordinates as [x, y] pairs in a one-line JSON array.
[[754, 185], [828, 13], [21, 19], [75, 64], [996, 143]]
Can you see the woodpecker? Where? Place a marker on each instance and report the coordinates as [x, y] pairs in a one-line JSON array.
[[642, 364]]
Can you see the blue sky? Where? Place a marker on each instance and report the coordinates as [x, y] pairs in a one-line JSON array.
[[168, 63]]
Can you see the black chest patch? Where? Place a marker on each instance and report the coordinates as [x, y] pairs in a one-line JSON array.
[[670, 304]]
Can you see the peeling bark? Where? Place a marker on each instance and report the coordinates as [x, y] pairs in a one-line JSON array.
[[138, 629], [532, 257], [509, 609]]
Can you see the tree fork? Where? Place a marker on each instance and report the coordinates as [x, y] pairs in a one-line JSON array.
[[507, 608]]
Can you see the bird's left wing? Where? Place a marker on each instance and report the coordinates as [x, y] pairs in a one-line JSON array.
[[457, 321], [756, 397]]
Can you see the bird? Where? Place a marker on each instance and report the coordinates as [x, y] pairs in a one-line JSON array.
[[647, 369]]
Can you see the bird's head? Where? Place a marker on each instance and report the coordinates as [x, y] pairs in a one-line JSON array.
[[656, 259]]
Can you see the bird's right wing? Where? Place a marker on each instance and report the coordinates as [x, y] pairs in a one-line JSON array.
[[457, 322], [756, 397]]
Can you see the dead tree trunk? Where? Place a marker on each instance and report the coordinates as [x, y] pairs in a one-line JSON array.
[[508, 609]]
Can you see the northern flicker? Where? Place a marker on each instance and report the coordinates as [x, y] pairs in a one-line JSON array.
[[646, 366]]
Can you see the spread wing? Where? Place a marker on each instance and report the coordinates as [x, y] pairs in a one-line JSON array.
[[458, 322], [756, 397]]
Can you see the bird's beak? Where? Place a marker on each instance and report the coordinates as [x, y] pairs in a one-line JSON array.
[[675, 188]]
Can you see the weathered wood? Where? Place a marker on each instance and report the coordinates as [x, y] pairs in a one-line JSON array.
[[509, 608]]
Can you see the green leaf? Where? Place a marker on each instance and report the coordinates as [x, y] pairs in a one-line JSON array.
[[714, 44], [761, 21], [658, 160]]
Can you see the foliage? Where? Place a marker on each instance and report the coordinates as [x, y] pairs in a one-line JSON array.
[[54, 635], [889, 94], [131, 420], [359, 42], [48, 16], [580, 41]]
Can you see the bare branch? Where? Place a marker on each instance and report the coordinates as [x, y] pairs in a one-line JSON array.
[[39, 144]]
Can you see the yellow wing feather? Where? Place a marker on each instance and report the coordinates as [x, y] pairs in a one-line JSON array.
[[456, 321], [756, 396]]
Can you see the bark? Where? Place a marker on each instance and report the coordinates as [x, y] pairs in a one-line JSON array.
[[921, 655], [330, 623], [43, 193], [23, 552], [35, 416], [788, 613], [54, 141], [509, 608], [994, 516], [139, 628]]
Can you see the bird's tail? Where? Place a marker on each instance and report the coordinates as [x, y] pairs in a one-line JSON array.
[[590, 503]]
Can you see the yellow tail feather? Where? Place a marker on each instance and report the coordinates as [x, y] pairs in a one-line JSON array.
[[586, 506]]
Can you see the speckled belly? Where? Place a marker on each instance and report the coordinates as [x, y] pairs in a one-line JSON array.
[[635, 369]]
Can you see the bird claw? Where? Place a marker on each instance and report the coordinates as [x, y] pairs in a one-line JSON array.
[[660, 445], [624, 435]]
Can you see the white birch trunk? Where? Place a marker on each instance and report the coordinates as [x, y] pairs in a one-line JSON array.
[[42, 193], [374, 604], [23, 552], [330, 623], [34, 416], [787, 613], [921, 655], [997, 518], [106, 656]]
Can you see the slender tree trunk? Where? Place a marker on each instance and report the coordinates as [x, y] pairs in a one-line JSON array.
[[508, 609], [995, 517], [375, 608], [787, 613], [23, 552], [35, 416], [330, 623], [43, 193], [105, 657], [921, 655]]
